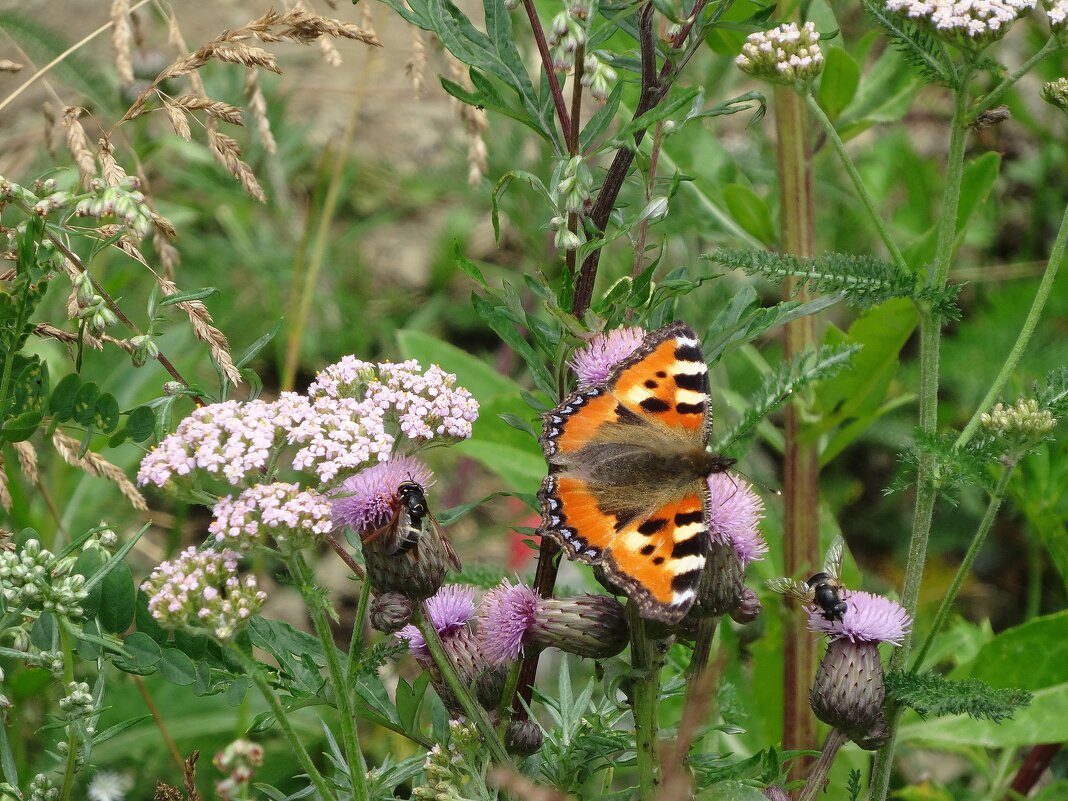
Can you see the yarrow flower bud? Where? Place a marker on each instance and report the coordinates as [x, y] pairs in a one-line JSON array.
[[848, 691], [784, 53], [594, 362], [292, 517], [1021, 424], [969, 20], [1056, 93], [514, 618], [203, 590]]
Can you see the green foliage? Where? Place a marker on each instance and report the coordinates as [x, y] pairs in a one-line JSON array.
[[932, 696], [921, 50], [958, 467]]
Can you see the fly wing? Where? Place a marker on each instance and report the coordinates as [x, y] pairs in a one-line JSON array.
[[792, 588], [832, 562], [446, 543]]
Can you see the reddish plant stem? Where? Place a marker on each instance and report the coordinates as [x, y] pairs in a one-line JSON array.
[[1034, 765], [801, 460], [573, 141], [547, 62]]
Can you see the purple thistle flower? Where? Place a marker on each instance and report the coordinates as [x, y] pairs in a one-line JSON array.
[[367, 500], [868, 618], [736, 511], [506, 614], [596, 361], [449, 612]]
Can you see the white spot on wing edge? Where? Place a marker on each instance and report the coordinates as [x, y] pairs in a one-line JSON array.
[[688, 341]]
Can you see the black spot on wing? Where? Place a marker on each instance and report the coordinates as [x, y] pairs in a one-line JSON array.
[[626, 416], [688, 518], [651, 384], [689, 353], [690, 408], [624, 517], [651, 526], [698, 382], [661, 374], [690, 547], [647, 550], [655, 405], [658, 560], [686, 581]]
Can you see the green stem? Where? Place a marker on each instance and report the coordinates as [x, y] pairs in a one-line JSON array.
[[818, 777], [12, 350], [253, 670], [356, 642], [1009, 81], [645, 695], [966, 564], [460, 690], [67, 646], [1056, 256], [342, 694], [858, 183], [926, 473]]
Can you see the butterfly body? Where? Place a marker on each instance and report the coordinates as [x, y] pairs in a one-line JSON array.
[[628, 467]]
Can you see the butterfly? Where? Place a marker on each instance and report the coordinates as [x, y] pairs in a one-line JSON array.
[[628, 462], [410, 522]]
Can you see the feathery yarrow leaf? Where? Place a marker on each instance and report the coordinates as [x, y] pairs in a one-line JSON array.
[[933, 695], [1054, 396], [789, 377], [958, 467], [919, 48]]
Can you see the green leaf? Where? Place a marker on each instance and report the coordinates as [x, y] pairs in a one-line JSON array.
[[44, 633], [251, 352], [176, 667], [410, 700], [731, 791], [141, 423], [61, 404], [118, 599], [88, 564], [143, 654], [22, 427], [185, 297], [934, 695], [1031, 656], [839, 81], [84, 408], [750, 212], [678, 99], [119, 728], [106, 413]]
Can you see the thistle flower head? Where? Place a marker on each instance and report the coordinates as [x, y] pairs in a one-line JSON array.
[[203, 591], [594, 362], [868, 619], [366, 500], [450, 610], [784, 53], [292, 517], [976, 21], [736, 512], [506, 614]]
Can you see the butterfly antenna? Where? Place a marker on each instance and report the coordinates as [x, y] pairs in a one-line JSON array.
[[755, 482]]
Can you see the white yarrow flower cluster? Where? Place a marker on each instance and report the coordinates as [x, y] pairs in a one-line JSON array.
[[1058, 15], [978, 20], [785, 53], [292, 517]]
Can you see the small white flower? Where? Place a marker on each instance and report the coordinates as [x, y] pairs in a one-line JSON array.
[[109, 786]]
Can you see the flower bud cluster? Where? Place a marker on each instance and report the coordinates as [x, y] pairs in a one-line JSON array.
[[971, 20], [1056, 93], [24, 574], [239, 759], [125, 202], [203, 591], [145, 350], [43, 199], [1058, 15], [574, 185], [563, 237], [598, 76], [784, 53], [1021, 425], [292, 517], [78, 707], [567, 33], [52, 661], [443, 770], [42, 788]]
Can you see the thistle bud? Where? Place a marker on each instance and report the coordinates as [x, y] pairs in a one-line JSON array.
[[523, 737], [748, 608], [721, 588], [390, 612]]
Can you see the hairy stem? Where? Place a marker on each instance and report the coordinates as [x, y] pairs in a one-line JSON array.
[[1056, 257], [801, 459], [998, 92], [818, 778], [645, 695], [926, 474], [356, 641], [858, 184], [255, 672], [315, 602], [71, 767], [966, 564]]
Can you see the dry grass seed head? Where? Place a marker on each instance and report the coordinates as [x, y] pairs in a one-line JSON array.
[[228, 154], [5, 493], [201, 320], [257, 105], [416, 66], [7, 65], [213, 108], [78, 143], [176, 114], [169, 257], [27, 460], [96, 465], [331, 55], [122, 40], [113, 173]]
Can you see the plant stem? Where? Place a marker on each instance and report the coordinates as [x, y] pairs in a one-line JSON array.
[[926, 473], [966, 564], [357, 768], [71, 768], [858, 183], [801, 460], [1056, 257], [1009, 81], [254, 671], [645, 696], [356, 641], [460, 690], [161, 724], [550, 73], [818, 777], [702, 649]]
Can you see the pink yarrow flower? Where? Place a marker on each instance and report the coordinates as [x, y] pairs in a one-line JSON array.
[[868, 618], [594, 362], [366, 500], [449, 611], [736, 512], [292, 517]]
